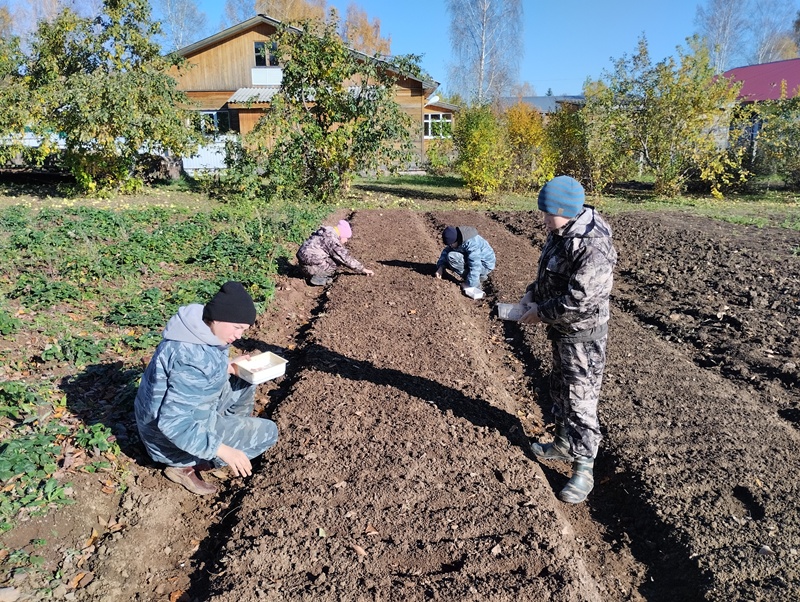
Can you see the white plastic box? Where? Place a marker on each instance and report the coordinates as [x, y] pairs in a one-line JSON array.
[[261, 368], [511, 311]]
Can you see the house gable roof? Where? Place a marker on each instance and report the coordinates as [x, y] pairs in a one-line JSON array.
[[764, 81], [225, 34]]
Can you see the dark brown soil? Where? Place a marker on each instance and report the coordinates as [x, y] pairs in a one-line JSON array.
[[403, 470]]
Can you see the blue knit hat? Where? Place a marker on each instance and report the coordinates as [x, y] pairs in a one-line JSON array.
[[449, 235], [562, 196]]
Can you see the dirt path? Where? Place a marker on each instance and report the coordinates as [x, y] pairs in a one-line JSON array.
[[403, 470]]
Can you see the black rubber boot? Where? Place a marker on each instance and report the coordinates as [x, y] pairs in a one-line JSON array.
[[557, 450], [581, 482]]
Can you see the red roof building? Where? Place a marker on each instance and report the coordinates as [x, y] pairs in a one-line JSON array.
[[765, 81]]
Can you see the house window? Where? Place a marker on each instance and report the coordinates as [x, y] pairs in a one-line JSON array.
[[214, 122], [266, 54], [438, 125]]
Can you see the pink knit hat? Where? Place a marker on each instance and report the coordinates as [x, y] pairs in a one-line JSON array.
[[344, 229]]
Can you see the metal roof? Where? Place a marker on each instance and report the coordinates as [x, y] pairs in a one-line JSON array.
[[254, 95], [764, 81], [545, 104]]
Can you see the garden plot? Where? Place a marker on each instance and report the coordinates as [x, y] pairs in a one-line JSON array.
[[403, 472]]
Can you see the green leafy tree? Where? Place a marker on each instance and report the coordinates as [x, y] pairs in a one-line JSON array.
[[778, 129], [672, 116], [334, 116], [13, 98], [102, 85], [483, 158], [606, 157]]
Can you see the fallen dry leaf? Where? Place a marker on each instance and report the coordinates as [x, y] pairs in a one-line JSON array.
[[73, 583], [176, 595], [359, 550], [370, 530], [92, 539]]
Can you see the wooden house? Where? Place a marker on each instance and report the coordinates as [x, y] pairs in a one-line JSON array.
[[232, 77]]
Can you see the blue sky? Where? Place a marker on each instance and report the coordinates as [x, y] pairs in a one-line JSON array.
[[563, 42]]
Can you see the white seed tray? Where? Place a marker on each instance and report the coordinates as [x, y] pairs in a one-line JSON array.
[[261, 368], [510, 311]]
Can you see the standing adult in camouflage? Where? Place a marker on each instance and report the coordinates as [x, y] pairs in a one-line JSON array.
[[192, 412], [469, 255], [324, 251], [570, 296]]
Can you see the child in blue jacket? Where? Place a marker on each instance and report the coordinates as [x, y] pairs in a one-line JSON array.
[[467, 254]]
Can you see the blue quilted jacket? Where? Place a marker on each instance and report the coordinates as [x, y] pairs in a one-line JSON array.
[[478, 254], [181, 390]]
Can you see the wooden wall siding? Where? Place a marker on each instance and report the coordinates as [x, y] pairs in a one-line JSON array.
[[209, 100], [226, 65], [248, 119]]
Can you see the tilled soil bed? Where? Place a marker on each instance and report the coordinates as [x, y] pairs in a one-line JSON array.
[[403, 471]]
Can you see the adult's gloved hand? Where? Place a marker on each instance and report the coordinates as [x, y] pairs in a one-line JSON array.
[[473, 292]]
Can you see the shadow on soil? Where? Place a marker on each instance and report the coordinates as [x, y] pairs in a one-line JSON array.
[[411, 193], [619, 503], [104, 393], [426, 269], [477, 411]]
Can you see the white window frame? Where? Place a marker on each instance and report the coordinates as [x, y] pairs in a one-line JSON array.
[[214, 115], [429, 119]]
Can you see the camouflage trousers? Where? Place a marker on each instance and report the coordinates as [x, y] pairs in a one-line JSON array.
[[575, 390], [236, 425], [326, 268]]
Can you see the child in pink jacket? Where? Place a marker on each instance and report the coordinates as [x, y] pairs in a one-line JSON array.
[[321, 254]]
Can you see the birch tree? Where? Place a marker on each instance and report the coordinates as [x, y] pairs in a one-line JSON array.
[[771, 30], [723, 26], [292, 10], [183, 22], [486, 40], [237, 11], [5, 22], [796, 30], [362, 34]]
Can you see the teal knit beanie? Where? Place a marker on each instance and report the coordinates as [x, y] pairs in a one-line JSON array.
[[562, 196]]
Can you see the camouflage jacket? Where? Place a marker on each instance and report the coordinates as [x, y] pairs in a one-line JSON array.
[[181, 391], [324, 244], [575, 276]]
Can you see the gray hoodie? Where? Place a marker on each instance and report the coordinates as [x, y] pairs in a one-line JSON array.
[[181, 389]]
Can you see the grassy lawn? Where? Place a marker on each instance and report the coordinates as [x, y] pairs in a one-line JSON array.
[[769, 208]]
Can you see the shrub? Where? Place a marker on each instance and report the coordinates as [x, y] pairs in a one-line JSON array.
[[482, 152]]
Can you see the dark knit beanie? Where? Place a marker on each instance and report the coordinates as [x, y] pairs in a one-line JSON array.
[[449, 235], [562, 196], [231, 304]]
